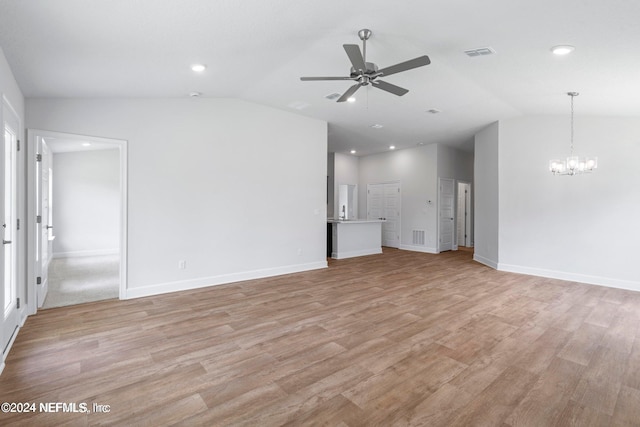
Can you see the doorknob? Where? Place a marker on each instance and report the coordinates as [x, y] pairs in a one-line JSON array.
[[6, 242], [51, 226]]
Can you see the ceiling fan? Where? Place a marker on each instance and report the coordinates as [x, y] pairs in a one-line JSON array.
[[365, 73]]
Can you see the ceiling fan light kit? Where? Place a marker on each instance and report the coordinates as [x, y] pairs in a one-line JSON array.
[[367, 73]]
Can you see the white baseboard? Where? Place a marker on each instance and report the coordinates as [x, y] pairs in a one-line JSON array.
[[183, 285], [572, 277], [414, 248], [485, 261], [353, 254], [4, 355], [97, 252]]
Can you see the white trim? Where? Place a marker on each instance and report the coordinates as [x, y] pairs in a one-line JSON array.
[[122, 145], [485, 261], [353, 254], [573, 277], [77, 254], [203, 282], [8, 348], [425, 249]]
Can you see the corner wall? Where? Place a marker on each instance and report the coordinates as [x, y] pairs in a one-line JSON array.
[[582, 228], [486, 200], [235, 189]]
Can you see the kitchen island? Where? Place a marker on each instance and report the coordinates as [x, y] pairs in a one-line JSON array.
[[355, 237]]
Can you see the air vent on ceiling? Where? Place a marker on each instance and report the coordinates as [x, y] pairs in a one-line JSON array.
[[333, 96], [481, 51]]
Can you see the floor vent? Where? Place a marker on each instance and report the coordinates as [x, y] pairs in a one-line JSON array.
[[418, 237]]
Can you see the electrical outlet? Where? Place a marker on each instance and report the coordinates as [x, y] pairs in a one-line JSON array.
[[182, 264]]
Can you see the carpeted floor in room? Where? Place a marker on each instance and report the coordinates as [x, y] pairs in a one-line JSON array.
[[78, 280]]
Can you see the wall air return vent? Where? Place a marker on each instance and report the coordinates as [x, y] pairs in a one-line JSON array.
[[418, 237], [481, 51]]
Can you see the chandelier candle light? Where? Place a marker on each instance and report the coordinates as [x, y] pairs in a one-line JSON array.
[[573, 165]]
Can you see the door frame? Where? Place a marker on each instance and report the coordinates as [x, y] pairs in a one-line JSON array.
[[32, 226], [469, 205], [18, 241], [454, 243]]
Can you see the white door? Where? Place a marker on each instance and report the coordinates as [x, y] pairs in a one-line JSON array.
[[446, 207], [391, 226], [8, 210], [383, 202], [463, 217], [45, 224]]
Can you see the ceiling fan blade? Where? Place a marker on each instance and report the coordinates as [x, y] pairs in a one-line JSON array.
[[348, 93], [308, 79], [396, 90], [355, 56], [404, 66]]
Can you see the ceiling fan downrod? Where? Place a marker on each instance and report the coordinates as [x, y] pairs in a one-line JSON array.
[[364, 35]]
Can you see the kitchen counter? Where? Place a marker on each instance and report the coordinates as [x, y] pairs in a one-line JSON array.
[[355, 237]]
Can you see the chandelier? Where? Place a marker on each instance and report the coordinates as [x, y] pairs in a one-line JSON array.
[[573, 165]]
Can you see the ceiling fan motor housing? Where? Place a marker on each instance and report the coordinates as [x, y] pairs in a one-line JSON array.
[[371, 68]]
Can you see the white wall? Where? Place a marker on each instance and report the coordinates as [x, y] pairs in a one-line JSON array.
[[345, 171], [416, 169], [86, 202], [582, 228], [235, 189], [486, 196]]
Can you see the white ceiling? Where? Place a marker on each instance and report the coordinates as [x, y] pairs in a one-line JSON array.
[[256, 50]]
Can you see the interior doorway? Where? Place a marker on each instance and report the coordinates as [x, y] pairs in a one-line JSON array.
[[463, 217], [80, 204], [446, 215]]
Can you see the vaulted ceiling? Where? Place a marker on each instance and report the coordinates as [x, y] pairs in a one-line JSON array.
[[256, 50]]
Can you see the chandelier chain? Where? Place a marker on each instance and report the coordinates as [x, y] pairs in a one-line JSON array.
[[572, 96]]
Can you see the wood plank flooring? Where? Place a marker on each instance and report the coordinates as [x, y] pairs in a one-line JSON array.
[[398, 339]]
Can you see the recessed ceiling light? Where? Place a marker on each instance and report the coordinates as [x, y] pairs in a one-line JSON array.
[[377, 126], [86, 144], [392, 147], [195, 94], [198, 68], [351, 99], [433, 111], [353, 151], [562, 49]]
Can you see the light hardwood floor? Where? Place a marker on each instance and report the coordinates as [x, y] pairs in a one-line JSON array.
[[397, 339]]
